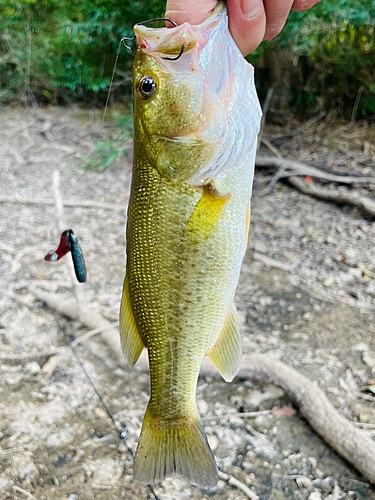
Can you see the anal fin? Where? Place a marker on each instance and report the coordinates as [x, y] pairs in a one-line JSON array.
[[226, 354], [131, 341]]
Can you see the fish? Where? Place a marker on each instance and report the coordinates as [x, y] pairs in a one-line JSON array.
[[196, 118]]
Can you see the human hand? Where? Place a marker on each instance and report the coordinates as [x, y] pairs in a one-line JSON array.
[[250, 21]]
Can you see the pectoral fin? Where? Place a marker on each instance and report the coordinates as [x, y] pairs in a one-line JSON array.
[[207, 213], [131, 341], [226, 354]]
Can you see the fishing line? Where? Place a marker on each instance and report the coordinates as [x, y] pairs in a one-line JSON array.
[[112, 78], [131, 39], [121, 433]]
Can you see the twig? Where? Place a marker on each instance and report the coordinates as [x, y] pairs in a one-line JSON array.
[[355, 107], [352, 198], [266, 105], [294, 167], [291, 133], [271, 147], [24, 492], [57, 350], [66, 203], [346, 439], [249, 414], [60, 219], [91, 333], [268, 261], [352, 122], [11, 450], [91, 318], [237, 484], [364, 425]]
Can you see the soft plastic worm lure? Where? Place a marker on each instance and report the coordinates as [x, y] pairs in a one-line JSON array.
[[69, 243]]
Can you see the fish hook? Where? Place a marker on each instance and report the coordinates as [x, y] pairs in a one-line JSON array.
[[146, 22], [175, 58], [125, 38]]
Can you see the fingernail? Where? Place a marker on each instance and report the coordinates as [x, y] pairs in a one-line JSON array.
[[251, 8]]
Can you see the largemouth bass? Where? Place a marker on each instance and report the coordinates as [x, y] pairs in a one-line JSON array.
[[196, 116]]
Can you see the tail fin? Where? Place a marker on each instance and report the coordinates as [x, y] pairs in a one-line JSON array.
[[166, 448]]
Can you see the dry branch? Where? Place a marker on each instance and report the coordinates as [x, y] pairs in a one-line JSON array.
[[237, 484], [351, 198], [28, 356], [24, 492], [290, 169], [91, 319], [266, 105], [61, 224], [66, 203], [268, 261], [293, 167]]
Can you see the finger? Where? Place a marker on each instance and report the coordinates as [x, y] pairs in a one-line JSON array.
[[300, 5], [276, 15], [189, 11], [247, 23]]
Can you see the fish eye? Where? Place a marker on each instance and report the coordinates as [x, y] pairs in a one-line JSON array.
[[147, 87]]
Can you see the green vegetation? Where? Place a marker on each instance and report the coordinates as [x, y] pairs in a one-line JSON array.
[[58, 51], [323, 57], [64, 50]]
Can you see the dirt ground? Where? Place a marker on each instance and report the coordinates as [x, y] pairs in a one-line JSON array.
[[315, 314]]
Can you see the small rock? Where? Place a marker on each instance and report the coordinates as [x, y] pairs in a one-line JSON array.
[[100, 413], [106, 471], [313, 461], [369, 359], [264, 400], [235, 420], [60, 438], [360, 347], [303, 482], [29, 471], [202, 407], [315, 495], [33, 367], [249, 467], [5, 483]]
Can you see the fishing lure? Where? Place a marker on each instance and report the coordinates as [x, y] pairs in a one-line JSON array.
[[69, 243]]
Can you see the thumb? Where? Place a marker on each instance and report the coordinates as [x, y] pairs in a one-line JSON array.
[[190, 11], [247, 23]]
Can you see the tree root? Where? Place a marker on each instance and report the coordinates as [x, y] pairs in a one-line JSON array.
[[347, 197], [290, 169], [350, 442]]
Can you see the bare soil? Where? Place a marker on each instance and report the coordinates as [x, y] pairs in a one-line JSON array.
[[56, 440]]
